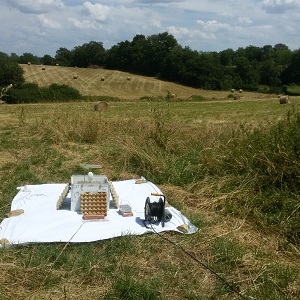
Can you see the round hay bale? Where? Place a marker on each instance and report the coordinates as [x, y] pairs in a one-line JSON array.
[[101, 106], [102, 78], [240, 90], [128, 78], [75, 76], [232, 90], [284, 99]]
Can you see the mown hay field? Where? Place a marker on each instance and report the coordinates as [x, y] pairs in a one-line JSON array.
[[113, 83], [178, 145]]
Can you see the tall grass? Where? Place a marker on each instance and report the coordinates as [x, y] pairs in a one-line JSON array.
[[236, 181], [255, 164]]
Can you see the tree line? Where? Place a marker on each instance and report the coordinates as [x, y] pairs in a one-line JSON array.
[[264, 69]]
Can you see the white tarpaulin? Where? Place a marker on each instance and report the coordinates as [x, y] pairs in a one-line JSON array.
[[41, 221]]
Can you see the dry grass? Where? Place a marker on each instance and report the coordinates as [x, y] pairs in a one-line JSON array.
[[89, 83], [252, 259]]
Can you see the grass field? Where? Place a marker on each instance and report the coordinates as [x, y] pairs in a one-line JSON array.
[[115, 83], [194, 151]]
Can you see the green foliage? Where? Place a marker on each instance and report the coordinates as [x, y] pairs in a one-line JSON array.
[[92, 53], [128, 287], [227, 255], [275, 283], [47, 60], [32, 93], [272, 156], [29, 58], [293, 90], [63, 57], [62, 93], [261, 162], [160, 55], [10, 73]]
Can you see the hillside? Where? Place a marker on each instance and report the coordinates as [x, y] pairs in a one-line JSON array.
[[102, 82]]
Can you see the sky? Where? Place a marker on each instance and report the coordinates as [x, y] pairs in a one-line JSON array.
[[42, 27]]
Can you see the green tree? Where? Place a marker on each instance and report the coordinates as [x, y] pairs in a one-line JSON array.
[[14, 57], [47, 60], [119, 56], [270, 73], [10, 73], [160, 46], [3, 55], [253, 53], [140, 54], [226, 57], [63, 57], [173, 64], [292, 73], [247, 72], [29, 57], [92, 53], [282, 56]]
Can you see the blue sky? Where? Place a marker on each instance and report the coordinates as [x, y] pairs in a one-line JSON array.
[[43, 26]]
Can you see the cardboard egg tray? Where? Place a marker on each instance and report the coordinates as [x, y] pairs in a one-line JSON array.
[[93, 205]]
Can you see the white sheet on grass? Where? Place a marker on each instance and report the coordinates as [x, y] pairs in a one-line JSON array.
[[41, 222]]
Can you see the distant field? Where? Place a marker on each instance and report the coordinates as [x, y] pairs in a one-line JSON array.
[[115, 83]]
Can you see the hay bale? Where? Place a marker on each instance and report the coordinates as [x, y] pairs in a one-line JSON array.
[[101, 106], [75, 76], [29, 63], [240, 90], [173, 96], [102, 78], [232, 90], [43, 68], [284, 99], [128, 78]]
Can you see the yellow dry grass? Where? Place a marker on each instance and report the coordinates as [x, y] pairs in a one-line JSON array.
[[90, 83]]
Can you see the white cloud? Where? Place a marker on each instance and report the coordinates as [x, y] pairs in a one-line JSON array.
[[213, 25], [279, 6], [181, 33], [48, 23], [155, 23], [244, 21], [158, 1], [36, 6], [97, 12], [83, 24], [178, 32], [206, 25]]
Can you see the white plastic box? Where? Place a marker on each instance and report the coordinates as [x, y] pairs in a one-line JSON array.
[[87, 184]]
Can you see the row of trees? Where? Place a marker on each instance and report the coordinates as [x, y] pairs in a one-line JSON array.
[[265, 68]]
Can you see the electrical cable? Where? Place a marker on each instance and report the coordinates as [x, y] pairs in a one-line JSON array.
[[202, 264]]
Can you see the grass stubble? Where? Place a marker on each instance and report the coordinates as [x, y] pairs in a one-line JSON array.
[[193, 151]]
